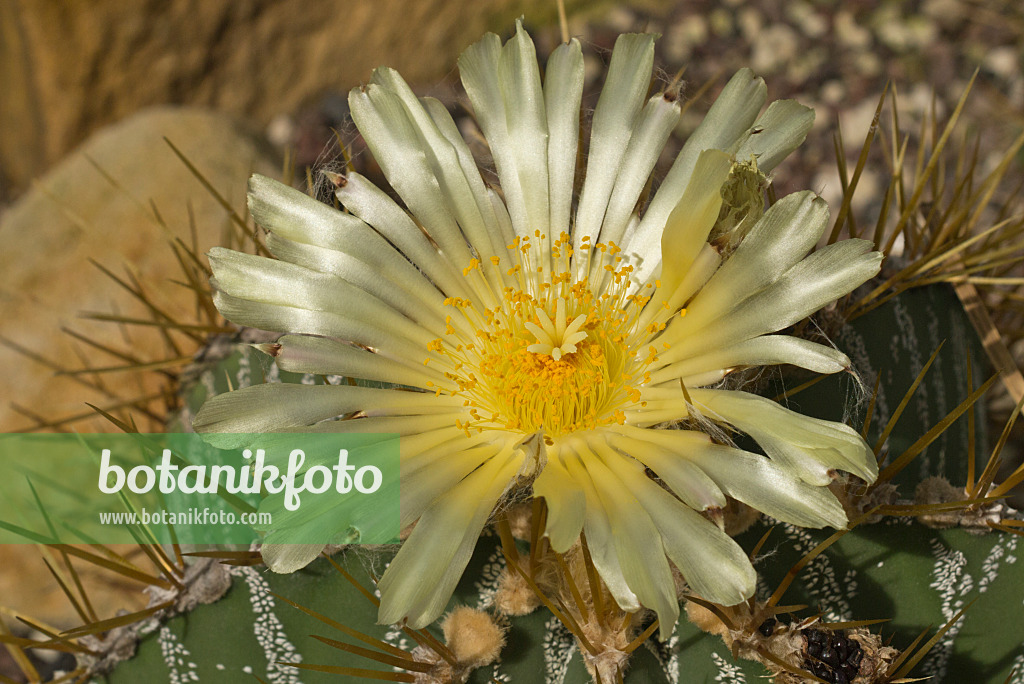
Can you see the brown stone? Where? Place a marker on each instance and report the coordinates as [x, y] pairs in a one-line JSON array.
[[75, 214]]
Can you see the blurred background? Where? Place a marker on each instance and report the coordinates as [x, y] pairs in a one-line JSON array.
[[93, 92]]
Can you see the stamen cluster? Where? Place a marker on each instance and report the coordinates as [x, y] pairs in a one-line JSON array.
[[560, 353]]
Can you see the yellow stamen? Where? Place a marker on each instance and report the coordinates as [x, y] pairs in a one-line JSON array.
[[555, 355]]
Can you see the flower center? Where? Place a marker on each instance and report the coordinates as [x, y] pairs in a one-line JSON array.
[[555, 338], [537, 392], [555, 355]]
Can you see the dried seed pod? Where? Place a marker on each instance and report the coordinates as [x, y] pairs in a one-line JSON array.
[[853, 656], [474, 636], [739, 517], [520, 519], [842, 657], [514, 596]]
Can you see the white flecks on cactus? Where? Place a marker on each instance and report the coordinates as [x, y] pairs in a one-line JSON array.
[[1018, 669], [180, 669], [953, 583], [667, 653], [831, 596], [559, 646], [269, 631], [489, 578], [272, 373], [728, 673], [1002, 550], [243, 378]]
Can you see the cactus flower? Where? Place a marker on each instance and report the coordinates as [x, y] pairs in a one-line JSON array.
[[541, 339]]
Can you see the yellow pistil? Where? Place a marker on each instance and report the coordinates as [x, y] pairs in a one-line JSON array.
[[536, 392], [557, 354], [555, 338]]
